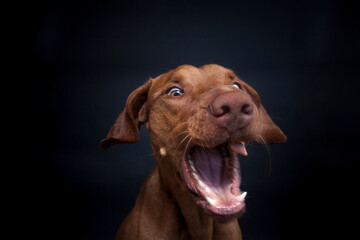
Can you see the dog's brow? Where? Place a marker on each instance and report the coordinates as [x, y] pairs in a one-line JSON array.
[[231, 75], [177, 77]]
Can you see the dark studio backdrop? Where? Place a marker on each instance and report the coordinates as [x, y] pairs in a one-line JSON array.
[[80, 60]]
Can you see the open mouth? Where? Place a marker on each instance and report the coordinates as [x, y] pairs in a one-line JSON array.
[[213, 177]]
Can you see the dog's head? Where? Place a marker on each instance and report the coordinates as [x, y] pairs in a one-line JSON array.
[[199, 119]]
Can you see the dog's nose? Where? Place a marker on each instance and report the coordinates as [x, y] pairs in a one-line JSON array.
[[232, 110]]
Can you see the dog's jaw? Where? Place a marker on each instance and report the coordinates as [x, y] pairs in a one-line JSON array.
[[212, 176]]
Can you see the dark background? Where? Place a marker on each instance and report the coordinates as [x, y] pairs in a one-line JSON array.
[[76, 63]]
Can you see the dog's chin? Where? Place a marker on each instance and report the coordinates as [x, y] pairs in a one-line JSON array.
[[220, 215], [212, 175]]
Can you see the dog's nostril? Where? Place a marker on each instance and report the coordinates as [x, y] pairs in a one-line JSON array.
[[246, 109], [225, 109], [219, 111]]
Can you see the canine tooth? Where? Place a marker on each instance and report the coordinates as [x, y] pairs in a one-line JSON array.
[[244, 149], [242, 196], [239, 147], [211, 201]]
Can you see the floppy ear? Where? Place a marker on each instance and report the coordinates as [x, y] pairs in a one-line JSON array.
[[127, 125], [269, 131]]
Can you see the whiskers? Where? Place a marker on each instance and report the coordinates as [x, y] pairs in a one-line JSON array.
[[187, 135], [173, 139], [268, 151], [187, 145], [183, 127]]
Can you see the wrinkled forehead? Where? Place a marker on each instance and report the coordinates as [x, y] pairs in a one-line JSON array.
[[217, 73], [191, 76]]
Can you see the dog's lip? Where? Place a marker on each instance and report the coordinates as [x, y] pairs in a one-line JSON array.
[[209, 198]]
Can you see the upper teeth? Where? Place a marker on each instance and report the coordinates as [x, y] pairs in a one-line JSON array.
[[191, 164], [206, 188], [196, 177]]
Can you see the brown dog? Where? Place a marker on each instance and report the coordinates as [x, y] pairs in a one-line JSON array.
[[198, 119]]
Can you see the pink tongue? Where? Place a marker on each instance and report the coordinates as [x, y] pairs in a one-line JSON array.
[[239, 148]]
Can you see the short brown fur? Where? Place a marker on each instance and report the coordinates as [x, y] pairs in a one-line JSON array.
[[164, 208]]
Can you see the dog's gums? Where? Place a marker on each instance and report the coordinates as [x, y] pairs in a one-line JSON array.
[[213, 177]]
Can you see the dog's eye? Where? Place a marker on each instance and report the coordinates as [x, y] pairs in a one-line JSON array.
[[175, 92], [237, 85]]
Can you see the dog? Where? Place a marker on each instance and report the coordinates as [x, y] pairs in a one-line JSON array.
[[199, 120]]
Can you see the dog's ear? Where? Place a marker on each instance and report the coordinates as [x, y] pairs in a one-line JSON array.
[[269, 131], [127, 125]]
